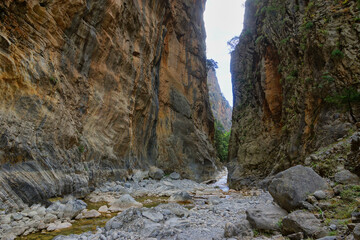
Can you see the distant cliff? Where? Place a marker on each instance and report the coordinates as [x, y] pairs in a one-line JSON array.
[[296, 80], [220, 107], [90, 90]]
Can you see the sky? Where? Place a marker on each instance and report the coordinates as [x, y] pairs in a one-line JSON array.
[[223, 21]]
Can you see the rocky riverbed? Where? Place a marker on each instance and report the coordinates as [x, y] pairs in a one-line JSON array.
[[167, 207]]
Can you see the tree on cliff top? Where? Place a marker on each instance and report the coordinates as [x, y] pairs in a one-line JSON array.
[[211, 64]]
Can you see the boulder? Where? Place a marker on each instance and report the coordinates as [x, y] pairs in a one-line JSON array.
[[153, 215], [103, 209], [346, 177], [241, 229], [88, 214], [305, 222], [49, 218], [265, 217], [140, 175], [58, 226], [320, 195], [180, 197], [124, 202], [156, 173], [73, 208], [291, 187], [356, 232], [174, 176]]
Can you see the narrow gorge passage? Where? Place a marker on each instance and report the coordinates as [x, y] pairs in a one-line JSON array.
[[113, 123]]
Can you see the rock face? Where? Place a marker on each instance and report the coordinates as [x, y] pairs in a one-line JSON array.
[[90, 89], [292, 186], [295, 75], [219, 105]]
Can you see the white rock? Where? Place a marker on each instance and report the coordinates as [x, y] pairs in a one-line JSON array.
[[103, 209], [124, 202], [57, 226]]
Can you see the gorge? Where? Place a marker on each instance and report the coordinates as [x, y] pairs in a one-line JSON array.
[[107, 120]]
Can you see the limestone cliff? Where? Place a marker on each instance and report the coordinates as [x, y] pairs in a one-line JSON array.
[[220, 107], [90, 90], [296, 81]]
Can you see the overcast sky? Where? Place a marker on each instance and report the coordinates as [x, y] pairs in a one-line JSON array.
[[223, 20]]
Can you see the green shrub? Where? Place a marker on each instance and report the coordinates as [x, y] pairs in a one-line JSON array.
[[309, 25], [337, 54], [221, 141]]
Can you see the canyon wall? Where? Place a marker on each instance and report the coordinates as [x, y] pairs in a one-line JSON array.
[[220, 107], [296, 84], [90, 90]]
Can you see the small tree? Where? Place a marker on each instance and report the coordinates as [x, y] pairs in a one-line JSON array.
[[221, 141], [211, 64], [232, 43]]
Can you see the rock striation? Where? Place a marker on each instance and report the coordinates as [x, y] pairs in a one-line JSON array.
[[220, 107], [92, 89], [295, 75]]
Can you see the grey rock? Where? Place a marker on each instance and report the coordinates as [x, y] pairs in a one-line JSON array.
[[73, 208], [346, 177], [292, 186], [355, 217], [153, 216], [333, 227], [124, 202], [320, 195], [175, 176], [181, 197], [305, 222], [140, 175], [296, 236], [265, 217], [17, 216], [156, 173], [328, 238], [356, 232], [49, 218], [241, 229]]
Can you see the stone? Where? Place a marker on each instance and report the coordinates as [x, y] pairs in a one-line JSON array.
[[153, 216], [292, 186], [156, 173], [124, 202], [174, 176], [180, 197], [305, 222], [5, 219], [88, 214], [328, 238], [333, 227], [49, 218], [355, 217], [103, 209], [17, 216], [346, 177], [140, 175], [320, 195], [58, 226], [241, 229], [356, 232], [296, 236], [265, 217], [32, 214]]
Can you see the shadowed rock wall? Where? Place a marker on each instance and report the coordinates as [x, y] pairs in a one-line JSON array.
[[92, 89]]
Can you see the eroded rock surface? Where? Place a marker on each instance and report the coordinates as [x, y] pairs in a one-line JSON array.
[[90, 89], [294, 63]]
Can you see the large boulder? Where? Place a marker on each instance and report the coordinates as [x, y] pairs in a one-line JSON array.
[[124, 202], [291, 187], [265, 217], [346, 177], [242, 230], [305, 222], [156, 173]]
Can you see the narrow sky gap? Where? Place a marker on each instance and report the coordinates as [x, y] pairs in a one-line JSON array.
[[223, 20]]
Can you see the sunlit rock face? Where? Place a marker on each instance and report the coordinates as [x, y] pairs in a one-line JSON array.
[[92, 89], [219, 105], [295, 61]]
